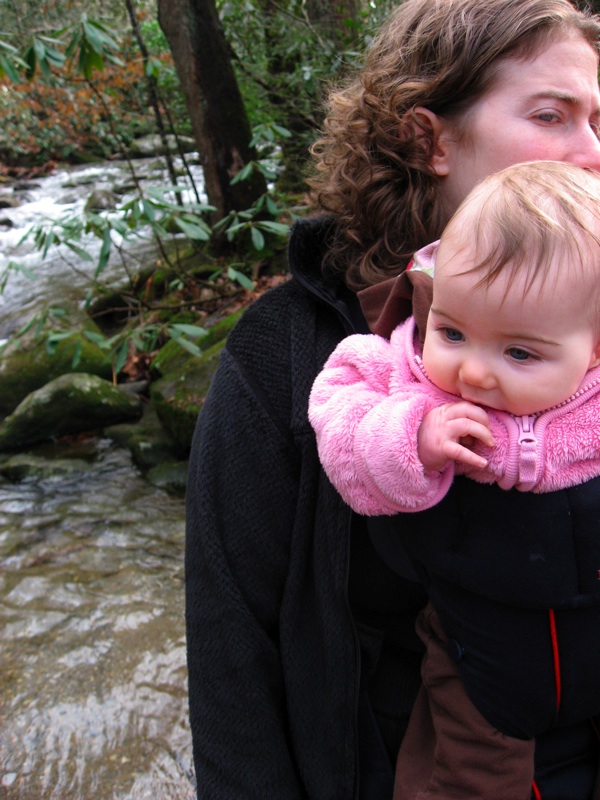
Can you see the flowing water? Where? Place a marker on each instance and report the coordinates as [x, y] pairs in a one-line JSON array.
[[58, 196], [92, 669]]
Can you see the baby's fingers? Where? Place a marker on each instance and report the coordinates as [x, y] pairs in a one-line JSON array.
[[464, 428], [457, 452], [465, 410]]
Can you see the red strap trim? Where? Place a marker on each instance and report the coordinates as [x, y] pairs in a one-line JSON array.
[[555, 656], [535, 792]]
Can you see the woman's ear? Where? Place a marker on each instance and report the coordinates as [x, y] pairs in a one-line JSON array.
[[430, 122]]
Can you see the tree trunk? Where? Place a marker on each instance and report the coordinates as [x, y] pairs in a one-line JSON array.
[[214, 103]]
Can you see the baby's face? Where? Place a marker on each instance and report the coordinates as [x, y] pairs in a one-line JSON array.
[[520, 353]]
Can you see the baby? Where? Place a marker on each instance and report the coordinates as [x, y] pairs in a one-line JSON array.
[[505, 392]]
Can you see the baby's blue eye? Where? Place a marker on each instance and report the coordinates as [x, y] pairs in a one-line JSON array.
[[517, 354], [452, 335]]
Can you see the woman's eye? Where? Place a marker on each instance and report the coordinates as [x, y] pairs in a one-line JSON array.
[[517, 354], [547, 116], [452, 335]]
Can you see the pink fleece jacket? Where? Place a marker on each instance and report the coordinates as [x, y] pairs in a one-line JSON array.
[[366, 407]]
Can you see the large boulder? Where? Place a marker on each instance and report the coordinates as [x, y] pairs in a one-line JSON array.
[[70, 404], [26, 364], [179, 395], [181, 381]]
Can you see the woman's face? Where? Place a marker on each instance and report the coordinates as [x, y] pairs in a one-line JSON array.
[[545, 108]]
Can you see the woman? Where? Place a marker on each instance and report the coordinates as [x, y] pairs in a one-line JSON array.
[[303, 662]]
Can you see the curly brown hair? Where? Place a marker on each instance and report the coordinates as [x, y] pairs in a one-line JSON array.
[[372, 163]]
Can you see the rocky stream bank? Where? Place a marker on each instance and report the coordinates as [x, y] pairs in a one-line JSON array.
[[44, 399], [65, 392], [93, 693]]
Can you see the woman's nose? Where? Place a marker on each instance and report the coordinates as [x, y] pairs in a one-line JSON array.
[[587, 151]]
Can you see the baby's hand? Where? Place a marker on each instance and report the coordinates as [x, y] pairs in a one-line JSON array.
[[447, 432]]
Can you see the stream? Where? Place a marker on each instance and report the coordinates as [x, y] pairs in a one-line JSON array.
[[93, 699], [60, 276]]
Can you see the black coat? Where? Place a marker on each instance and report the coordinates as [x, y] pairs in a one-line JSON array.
[[272, 652]]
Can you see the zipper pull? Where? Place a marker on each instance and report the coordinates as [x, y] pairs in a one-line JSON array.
[[527, 453]]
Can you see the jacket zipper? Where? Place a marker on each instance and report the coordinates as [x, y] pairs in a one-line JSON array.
[[527, 454]]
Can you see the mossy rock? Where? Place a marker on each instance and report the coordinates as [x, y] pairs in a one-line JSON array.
[[170, 476], [173, 357], [148, 441], [69, 404], [179, 395], [148, 452], [26, 365], [221, 329], [27, 465]]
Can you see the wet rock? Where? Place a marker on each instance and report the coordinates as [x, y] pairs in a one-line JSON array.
[[66, 199], [79, 180], [101, 200], [23, 186], [170, 476], [149, 451], [6, 222], [9, 201], [152, 145], [148, 441], [125, 188], [69, 404], [26, 365], [27, 465], [136, 387]]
